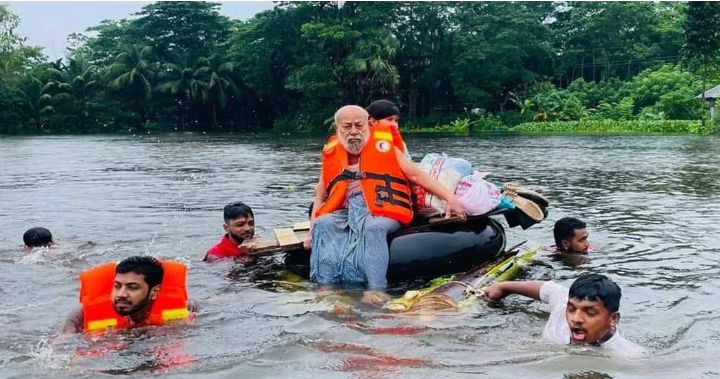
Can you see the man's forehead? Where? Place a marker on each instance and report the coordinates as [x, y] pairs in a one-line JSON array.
[[356, 118], [242, 219], [586, 303], [352, 113], [129, 277]]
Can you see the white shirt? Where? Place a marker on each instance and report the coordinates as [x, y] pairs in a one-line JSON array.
[[558, 330]]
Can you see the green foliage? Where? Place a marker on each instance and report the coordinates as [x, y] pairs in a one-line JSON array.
[[591, 94], [702, 30], [670, 89], [620, 111], [611, 126], [702, 40], [501, 46], [15, 58], [548, 104], [192, 27], [451, 66]]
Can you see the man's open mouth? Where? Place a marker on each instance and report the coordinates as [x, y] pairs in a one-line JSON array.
[[578, 334]]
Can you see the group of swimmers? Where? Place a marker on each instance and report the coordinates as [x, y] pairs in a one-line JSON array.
[[363, 194]]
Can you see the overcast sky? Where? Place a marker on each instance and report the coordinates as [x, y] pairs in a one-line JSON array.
[[48, 23]]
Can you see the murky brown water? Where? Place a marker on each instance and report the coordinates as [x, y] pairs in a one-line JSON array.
[[652, 202]]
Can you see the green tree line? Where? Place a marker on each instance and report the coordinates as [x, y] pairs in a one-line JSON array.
[[184, 66]]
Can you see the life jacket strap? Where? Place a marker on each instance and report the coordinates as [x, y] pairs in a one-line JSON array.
[[385, 193], [344, 176]]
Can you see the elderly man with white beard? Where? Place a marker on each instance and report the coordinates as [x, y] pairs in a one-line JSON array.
[[363, 195]]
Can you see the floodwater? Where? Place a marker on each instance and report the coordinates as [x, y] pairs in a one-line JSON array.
[[652, 204]]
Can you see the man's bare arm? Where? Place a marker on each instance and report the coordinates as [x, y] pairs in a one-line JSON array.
[[500, 290], [74, 322]]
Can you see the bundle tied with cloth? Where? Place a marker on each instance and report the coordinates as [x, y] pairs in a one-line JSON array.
[[477, 195]]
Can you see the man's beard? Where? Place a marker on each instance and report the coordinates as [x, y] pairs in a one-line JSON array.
[[129, 311], [353, 145], [240, 237]]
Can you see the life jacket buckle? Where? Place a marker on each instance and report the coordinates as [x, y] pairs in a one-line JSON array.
[[382, 195]]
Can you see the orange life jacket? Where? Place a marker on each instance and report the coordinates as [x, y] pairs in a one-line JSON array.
[[96, 287], [384, 186]]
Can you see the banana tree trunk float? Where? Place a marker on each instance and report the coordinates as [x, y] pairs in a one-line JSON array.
[[452, 293]]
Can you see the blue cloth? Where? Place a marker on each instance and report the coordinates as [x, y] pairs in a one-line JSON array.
[[350, 246]]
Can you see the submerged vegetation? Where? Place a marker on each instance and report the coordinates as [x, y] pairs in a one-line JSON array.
[[453, 67]]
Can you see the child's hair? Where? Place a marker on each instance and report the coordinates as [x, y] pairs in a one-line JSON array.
[[565, 229], [37, 237], [380, 109], [596, 287], [235, 210]]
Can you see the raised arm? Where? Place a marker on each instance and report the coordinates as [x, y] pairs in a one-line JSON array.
[[415, 174], [529, 289]]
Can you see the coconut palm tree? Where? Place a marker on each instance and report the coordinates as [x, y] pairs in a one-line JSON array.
[[73, 81], [36, 101], [218, 86], [134, 71], [183, 79], [371, 61]]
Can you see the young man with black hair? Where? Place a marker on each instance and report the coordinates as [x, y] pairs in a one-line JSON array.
[[239, 227], [571, 236], [587, 313], [37, 237], [135, 297]]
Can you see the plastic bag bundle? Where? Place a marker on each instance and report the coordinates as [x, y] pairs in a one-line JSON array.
[[477, 195], [448, 171]]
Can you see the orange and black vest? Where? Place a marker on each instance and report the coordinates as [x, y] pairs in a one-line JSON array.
[[384, 186], [96, 287]]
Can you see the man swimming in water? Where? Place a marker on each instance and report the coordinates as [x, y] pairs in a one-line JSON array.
[[239, 227], [130, 294], [587, 313], [37, 237], [571, 236]]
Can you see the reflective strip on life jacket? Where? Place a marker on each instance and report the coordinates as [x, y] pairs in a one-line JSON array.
[[102, 324], [175, 314]]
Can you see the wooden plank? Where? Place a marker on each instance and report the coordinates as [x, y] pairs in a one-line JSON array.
[[286, 237], [302, 225]]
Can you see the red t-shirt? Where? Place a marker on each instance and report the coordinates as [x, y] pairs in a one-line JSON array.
[[224, 249]]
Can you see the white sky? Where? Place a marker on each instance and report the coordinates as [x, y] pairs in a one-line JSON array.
[[48, 23]]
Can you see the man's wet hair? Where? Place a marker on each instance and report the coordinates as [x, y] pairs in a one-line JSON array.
[[565, 229], [37, 237], [150, 268], [594, 287], [235, 210], [380, 109]]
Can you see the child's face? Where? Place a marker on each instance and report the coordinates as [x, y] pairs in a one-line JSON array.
[[393, 121], [589, 321]]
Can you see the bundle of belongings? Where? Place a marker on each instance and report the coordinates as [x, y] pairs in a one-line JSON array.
[[521, 206]]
